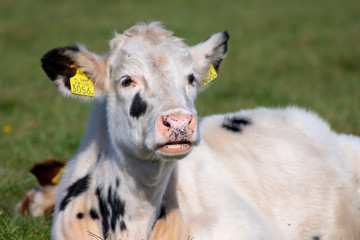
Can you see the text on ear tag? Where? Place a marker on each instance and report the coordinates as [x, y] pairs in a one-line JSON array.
[[81, 85], [211, 76]]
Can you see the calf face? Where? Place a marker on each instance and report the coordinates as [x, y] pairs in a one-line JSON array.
[[150, 79]]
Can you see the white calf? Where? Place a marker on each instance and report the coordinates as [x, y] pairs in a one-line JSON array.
[[259, 174], [351, 145]]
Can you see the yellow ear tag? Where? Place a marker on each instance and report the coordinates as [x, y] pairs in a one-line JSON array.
[[81, 85], [56, 179], [211, 76]]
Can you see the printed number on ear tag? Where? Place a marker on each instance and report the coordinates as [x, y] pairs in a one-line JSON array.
[[81, 85]]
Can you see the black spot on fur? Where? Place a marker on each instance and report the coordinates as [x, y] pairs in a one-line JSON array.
[[122, 225], [55, 63], [138, 106], [112, 211], [80, 215], [117, 182], [104, 212], [117, 207], [75, 190], [93, 214], [315, 238], [235, 123]]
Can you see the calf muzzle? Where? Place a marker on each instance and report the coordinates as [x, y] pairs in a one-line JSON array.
[[177, 130]]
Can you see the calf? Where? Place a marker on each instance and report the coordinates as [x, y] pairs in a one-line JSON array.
[[148, 167], [41, 199]]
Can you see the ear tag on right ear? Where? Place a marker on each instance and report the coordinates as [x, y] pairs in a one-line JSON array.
[[81, 85], [211, 75]]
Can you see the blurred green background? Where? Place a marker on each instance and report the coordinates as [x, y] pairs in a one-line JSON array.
[[281, 52]]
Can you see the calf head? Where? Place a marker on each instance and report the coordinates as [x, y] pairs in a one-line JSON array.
[[150, 79], [41, 200]]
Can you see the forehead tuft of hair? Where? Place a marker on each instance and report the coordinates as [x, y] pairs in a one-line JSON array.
[[153, 32]]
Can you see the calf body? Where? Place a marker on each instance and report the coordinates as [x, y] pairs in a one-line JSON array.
[[148, 168]]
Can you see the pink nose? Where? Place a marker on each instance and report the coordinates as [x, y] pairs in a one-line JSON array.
[[177, 127]]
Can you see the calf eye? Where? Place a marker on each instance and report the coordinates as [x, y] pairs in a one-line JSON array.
[[191, 79], [126, 81]]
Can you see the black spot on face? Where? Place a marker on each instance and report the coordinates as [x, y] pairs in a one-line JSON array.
[[191, 79], [80, 215], [56, 63], [315, 238], [138, 106], [235, 123], [93, 214], [75, 190]]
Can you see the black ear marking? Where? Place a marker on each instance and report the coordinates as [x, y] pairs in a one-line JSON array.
[[57, 63], [138, 106], [221, 49], [219, 52]]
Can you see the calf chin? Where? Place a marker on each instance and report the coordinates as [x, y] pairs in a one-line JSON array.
[[173, 155]]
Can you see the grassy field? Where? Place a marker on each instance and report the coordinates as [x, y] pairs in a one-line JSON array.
[[281, 52]]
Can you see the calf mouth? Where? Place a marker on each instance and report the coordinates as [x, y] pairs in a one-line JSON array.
[[175, 147]]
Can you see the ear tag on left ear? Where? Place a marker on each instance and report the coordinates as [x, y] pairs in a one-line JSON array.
[[81, 85], [211, 75], [56, 179]]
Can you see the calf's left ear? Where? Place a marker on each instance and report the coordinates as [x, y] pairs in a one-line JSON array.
[[61, 64], [212, 51]]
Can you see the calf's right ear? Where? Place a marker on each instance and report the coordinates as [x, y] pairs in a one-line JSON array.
[[61, 64]]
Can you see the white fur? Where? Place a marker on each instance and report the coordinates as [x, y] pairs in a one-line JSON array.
[[285, 175]]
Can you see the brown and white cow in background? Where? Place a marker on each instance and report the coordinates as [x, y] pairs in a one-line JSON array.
[[41, 199], [148, 167]]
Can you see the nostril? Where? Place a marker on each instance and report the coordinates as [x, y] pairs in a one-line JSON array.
[[166, 123], [190, 120]]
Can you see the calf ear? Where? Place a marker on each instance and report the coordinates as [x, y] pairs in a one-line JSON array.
[[46, 171], [210, 52], [61, 64]]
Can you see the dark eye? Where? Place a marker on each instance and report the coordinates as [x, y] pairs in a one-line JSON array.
[[126, 81], [191, 79]]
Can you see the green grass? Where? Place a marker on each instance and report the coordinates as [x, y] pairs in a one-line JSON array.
[[281, 52]]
